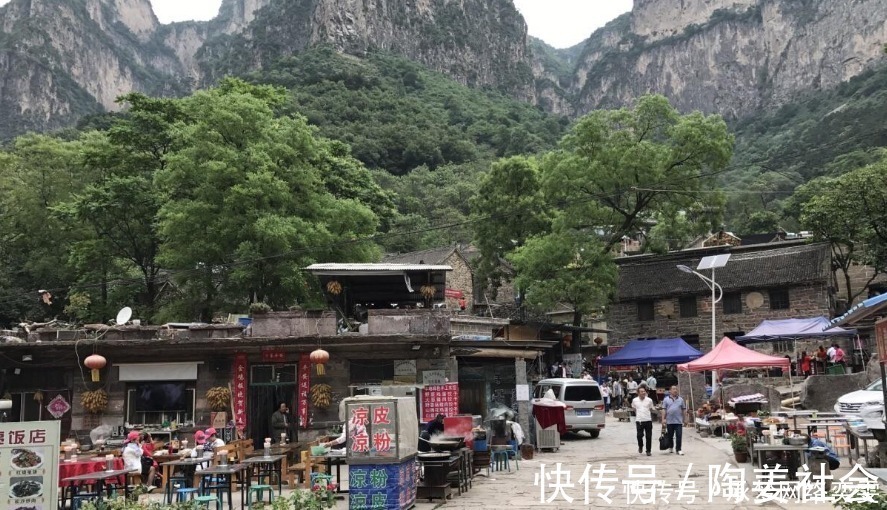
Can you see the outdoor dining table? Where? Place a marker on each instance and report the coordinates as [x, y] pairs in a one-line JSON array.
[[825, 422], [226, 473], [861, 439], [758, 451], [272, 464], [169, 470], [100, 478]]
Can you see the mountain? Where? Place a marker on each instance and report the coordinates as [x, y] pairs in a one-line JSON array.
[[733, 57], [60, 60]]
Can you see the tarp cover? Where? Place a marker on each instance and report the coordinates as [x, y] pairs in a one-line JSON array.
[[860, 311], [729, 354], [660, 351], [791, 329]]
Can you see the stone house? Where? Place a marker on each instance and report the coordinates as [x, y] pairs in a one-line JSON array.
[[459, 280], [654, 299]]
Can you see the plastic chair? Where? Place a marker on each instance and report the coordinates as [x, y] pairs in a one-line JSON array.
[[514, 454], [498, 459], [259, 491], [206, 500], [325, 478], [185, 493]]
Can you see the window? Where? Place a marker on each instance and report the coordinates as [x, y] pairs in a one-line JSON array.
[[779, 299], [645, 310], [783, 346], [732, 303], [577, 392], [688, 306], [692, 340], [152, 403], [540, 390]]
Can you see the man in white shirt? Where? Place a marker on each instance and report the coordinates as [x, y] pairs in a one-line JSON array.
[[632, 390], [830, 352], [643, 412]]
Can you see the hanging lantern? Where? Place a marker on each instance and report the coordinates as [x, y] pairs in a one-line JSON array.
[[334, 287], [95, 362], [319, 357]]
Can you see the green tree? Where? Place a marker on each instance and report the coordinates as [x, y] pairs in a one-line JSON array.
[[508, 209], [616, 170], [246, 206], [850, 213]]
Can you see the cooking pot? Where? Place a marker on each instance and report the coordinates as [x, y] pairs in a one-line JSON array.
[[445, 446], [434, 456]]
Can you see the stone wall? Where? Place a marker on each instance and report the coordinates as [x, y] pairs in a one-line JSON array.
[[295, 323], [408, 322], [821, 392], [460, 278], [622, 318]]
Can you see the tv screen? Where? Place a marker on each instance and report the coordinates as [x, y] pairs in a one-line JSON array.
[[156, 397]]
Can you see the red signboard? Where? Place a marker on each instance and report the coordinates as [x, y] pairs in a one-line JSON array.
[[304, 386], [881, 339], [272, 355], [613, 349], [240, 384], [440, 399], [453, 293]]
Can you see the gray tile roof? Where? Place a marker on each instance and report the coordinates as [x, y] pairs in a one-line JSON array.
[[765, 266], [432, 256]]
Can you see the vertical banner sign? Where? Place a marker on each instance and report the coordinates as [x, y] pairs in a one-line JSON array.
[[440, 399], [304, 386], [241, 381], [881, 339], [29, 464]]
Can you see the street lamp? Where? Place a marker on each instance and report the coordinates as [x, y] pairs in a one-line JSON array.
[[712, 262]]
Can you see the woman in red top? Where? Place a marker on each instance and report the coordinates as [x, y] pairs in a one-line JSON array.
[[805, 364]]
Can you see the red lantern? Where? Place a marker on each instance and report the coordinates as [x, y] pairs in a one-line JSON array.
[[319, 357], [95, 362]]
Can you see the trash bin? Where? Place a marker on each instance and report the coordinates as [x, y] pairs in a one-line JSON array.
[[835, 370]]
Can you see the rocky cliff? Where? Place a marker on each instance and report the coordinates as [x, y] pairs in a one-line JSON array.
[[60, 59], [734, 57]]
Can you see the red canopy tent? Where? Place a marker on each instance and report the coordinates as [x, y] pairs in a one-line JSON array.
[[729, 354]]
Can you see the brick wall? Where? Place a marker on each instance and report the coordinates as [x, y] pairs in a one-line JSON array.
[[622, 318], [460, 278]]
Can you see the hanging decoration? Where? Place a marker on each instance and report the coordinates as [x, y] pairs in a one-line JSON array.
[[319, 357], [38, 396], [218, 398], [321, 395], [95, 362], [334, 287], [427, 291], [94, 402]]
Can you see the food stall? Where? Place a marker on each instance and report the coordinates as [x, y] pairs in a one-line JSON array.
[[382, 435]]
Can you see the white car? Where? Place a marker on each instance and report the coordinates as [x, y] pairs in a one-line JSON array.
[[852, 403]]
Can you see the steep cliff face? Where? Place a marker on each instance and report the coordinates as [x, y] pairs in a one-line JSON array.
[[476, 42], [728, 56], [60, 60]]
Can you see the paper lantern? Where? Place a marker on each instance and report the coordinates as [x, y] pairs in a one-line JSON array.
[[95, 362], [319, 357]]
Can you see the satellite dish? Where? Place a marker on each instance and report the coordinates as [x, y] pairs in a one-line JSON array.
[[123, 316]]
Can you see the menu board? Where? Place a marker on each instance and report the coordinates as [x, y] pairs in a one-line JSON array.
[[29, 459], [441, 399], [372, 430]]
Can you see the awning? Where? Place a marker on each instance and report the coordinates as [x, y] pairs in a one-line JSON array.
[[861, 311], [793, 329], [661, 351], [729, 355]]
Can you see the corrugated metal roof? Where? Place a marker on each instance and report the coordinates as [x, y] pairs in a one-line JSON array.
[[376, 267]]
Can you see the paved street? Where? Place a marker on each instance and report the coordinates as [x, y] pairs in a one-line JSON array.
[[617, 449]]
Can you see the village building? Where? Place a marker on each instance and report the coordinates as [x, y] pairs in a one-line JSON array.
[[654, 299]]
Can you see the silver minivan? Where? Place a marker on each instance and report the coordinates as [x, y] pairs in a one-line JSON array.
[[585, 404]]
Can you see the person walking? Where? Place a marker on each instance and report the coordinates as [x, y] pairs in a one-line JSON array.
[[673, 418], [643, 420], [632, 390], [617, 393], [605, 393]]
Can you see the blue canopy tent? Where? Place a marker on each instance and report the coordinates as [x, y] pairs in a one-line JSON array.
[[793, 329], [657, 352]]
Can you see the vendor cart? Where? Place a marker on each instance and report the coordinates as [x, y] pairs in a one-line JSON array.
[[550, 423], [382, 438]]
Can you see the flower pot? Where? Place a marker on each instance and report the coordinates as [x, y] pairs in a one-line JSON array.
[[741, 457]]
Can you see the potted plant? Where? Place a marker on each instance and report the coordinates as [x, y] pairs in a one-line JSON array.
[[740, 447], [259, 308]]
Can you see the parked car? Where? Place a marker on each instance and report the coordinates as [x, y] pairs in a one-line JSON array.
[[585, 404], [853, 402]]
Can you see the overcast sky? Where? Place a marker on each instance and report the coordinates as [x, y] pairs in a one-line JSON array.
[[560, 23]]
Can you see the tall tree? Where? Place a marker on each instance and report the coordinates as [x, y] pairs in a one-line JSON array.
[[508, 209], [246, 207], [617, 170]]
